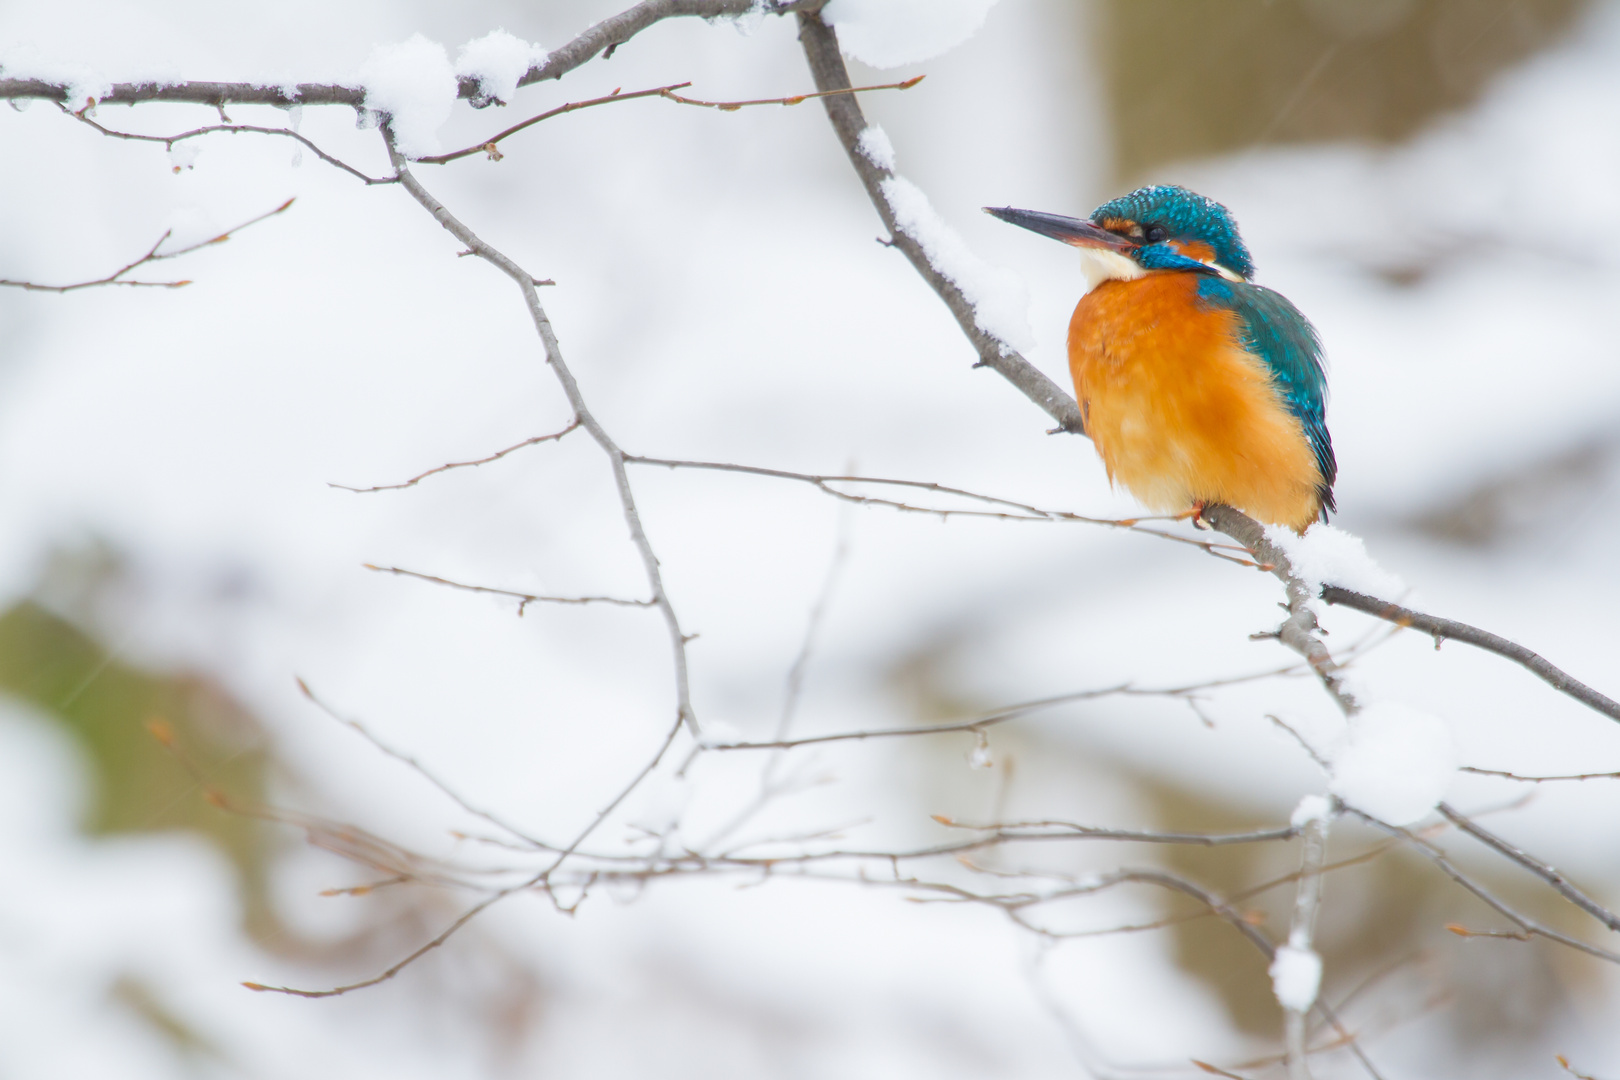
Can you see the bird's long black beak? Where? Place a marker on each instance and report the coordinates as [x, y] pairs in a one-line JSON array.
[[1067, 229]]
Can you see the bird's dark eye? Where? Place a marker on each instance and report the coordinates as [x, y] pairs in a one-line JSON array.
[[1156, 233]]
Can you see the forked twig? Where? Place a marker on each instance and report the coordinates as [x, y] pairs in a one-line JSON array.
[[153, 255]]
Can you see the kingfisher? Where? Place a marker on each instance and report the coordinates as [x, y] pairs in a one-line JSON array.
[[1196, 385]]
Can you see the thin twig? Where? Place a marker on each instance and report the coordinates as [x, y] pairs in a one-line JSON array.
[[496, 456], [665, 92], [152, 255], [559, 367], [421, 770], [1540, 779], [1019, 511], [1011, 712], [488, 145], [168, 141], [1545, 872], [523, 599], [1445, 865], [1444, 629]]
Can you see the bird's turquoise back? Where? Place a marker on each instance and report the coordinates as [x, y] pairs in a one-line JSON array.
[[1276, 332]]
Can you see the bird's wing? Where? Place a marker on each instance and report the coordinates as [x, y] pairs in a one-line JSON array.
[[1276, 332]]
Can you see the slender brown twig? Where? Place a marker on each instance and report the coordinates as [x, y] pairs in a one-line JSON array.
[[168, 141], [523, 599], [152, 255], [1547, 873], [1449, 629], [573, 425], [1540, 779], [488, 146]]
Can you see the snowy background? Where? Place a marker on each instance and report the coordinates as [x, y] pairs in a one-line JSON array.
[[166, 456]]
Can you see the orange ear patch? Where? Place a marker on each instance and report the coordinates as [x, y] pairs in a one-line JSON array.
[[1194, 249]]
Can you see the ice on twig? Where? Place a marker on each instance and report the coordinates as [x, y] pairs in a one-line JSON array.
[[889, 33], [1395, 763], [1329, 556], [498, 60], [999, 297], [413, 84], [1296, 975]]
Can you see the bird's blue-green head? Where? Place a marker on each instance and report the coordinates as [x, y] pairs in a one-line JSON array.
[[1159, 227]]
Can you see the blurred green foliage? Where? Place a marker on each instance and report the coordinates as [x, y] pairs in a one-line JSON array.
[[1190, 78], [138, 784]]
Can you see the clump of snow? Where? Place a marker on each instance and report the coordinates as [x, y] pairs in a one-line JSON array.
[[83, 83], [889, 33], [999, 297], [1311, 808], [413, 84], [1296, 975], [1396, 762], [1329, 556], [498, 60], [746, 23], [875, 147]]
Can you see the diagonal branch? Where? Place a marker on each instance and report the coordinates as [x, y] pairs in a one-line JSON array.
[[1527, 925], [496, 456], [827, 66], [1442, 629], [616, 457], [1299, 630], [1550, 874], [152, 255]]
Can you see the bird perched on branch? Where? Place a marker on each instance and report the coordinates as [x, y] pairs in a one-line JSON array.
[[1196, 385]]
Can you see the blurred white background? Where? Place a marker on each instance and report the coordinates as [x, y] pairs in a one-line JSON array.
[[165, 461]]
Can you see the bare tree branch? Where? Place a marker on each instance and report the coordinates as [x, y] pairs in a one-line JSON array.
[[1299, 630], [1540, 779], [1307, 902], [168, 141], [416, 766], [666, 92], [559, 367], [1019, 511], [152, 256], [496, 456], [1443, 629], [606, 35], [827, 66], [1529, 926], [1547, 873], [524, 599]]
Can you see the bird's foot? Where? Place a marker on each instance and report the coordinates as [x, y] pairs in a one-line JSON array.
[[1195, 513]]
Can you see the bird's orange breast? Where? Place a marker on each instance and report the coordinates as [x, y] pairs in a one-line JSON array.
[[1179, 411]]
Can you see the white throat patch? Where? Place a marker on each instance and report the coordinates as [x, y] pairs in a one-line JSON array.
[[1102, 264]]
